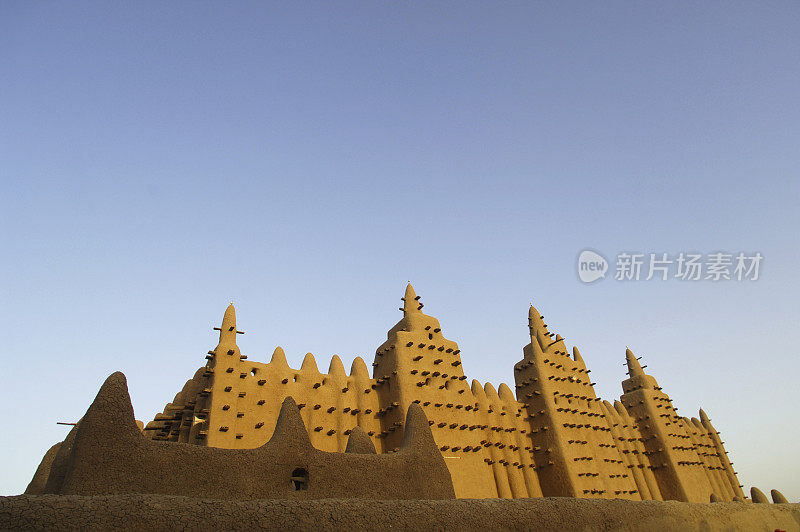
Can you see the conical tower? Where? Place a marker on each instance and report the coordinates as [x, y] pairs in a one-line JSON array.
[[674, 460], [726, 475], [417, 364], [573, 446], [220, 397]]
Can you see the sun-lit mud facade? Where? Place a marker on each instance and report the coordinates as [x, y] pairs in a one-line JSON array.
[[573, 443], [554, 437]]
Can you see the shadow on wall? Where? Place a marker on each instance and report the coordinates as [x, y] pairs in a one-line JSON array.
[[106, 453]]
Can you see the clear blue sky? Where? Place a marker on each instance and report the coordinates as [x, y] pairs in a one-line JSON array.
[[306, 160]]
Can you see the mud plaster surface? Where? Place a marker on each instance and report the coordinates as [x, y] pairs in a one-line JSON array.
[[159, 512]]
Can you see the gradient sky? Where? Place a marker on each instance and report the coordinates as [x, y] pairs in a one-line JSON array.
[[306, 160]]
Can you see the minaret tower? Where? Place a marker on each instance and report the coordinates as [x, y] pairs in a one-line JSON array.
[[717, 449], [679, 470], [417, 364], [573, 446], [219, 397]]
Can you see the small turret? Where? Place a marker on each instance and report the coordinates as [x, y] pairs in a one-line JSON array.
[[309, 364], [279, 358], [491, 392], [505, 393], [359, 369], [758, 496], [778, 498], [336, 368], [477, 389]]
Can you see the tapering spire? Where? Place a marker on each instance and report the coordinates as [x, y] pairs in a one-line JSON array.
[[410, 293], [540, 338], [706, 422], [411, 302], [227, 331], [576, 355], [634, 368], [535, 320]]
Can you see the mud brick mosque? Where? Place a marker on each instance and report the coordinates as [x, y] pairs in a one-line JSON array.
[[552, 436]]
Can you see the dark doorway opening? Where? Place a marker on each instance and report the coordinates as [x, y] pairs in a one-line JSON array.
[[299, 479]]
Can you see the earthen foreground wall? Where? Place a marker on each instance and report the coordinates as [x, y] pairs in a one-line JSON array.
[[555, 437], [106, 453]]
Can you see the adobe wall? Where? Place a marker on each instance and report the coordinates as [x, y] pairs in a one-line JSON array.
[[554, 438], [160, 512], [108, 454], [482, 434]]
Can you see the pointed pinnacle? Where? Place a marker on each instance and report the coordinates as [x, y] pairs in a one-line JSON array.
[[359, 368], [359, 442], [336, 368], [535, 320], [634, 368], [227, 331], [477, 389], [576, 355], [279, 357], [289, 428], [411, 302], [505, 392], [758, 496], [309, 364], [778, 498]]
